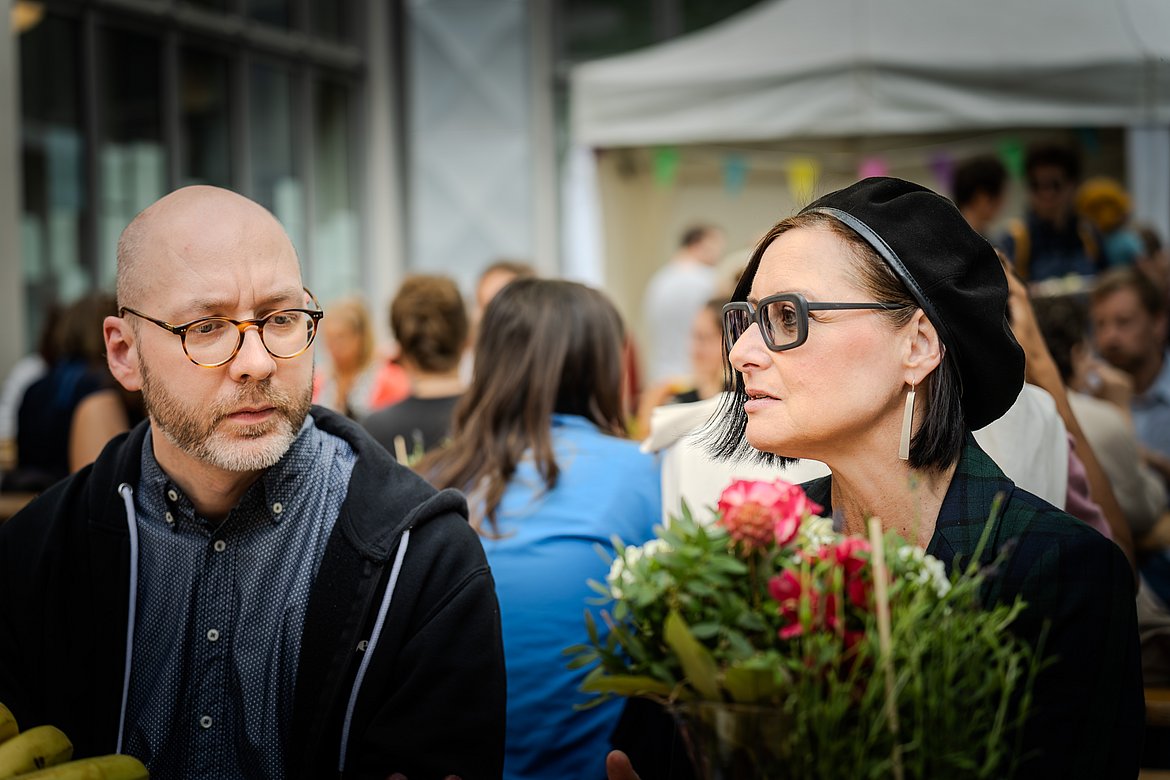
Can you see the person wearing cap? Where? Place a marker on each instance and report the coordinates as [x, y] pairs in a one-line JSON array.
[[869, 332]]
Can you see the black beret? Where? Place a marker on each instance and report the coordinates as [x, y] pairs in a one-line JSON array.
[[952, 272]]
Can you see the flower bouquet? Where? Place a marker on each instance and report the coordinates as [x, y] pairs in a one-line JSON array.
[[785, 649]]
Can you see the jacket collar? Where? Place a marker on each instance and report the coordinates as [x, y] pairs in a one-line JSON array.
[[964, 511], [380, 488]]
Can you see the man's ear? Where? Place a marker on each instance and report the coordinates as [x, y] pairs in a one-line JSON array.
[[122, 352], [924, 348]]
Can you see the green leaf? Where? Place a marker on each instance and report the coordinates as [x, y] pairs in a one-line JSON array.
[[591, 627], [625, 685], [600, 588], [747, 685], [697, 663], [727, 565], [706, 630]]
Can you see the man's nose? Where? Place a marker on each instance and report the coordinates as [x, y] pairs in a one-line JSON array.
[[253, 361]]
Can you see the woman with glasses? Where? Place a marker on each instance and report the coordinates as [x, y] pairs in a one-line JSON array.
[[538, 444], [869, 332]]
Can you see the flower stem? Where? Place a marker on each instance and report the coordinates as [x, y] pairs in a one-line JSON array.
[[882, 596]]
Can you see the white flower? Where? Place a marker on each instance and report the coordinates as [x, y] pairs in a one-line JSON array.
[[817, 532], [925, 569], [621, 571]]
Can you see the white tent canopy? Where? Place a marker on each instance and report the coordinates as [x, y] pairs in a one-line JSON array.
[[831, 68]]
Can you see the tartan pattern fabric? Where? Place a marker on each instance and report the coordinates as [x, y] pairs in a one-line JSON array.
[[1088, 713]]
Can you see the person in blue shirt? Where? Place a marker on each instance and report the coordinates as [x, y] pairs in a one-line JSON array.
[[538, 444]]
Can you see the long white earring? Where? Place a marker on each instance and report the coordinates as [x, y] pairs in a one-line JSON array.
[[907, 419]]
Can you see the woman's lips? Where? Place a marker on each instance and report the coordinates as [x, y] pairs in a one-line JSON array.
[[758, 400]]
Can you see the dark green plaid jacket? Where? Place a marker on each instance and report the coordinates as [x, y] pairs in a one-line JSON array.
[[1089, 715]]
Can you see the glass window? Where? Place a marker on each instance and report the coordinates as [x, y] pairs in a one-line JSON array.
[[331, 19], [276, 181], [701, 13], [205, 110], [132, 160], [53, 159], [274, 12], [597, 28], [336, 257]]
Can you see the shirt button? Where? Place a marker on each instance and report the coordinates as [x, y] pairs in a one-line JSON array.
[[220, 545], [172, 495], [170, 519], [212, 635], [205, 721], [278, 507]]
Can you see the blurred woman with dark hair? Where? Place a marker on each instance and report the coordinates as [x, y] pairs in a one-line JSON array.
[[431, 325], [538, 446], [69, 415]]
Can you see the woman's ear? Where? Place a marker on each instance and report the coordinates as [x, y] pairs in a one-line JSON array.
[[924, 348], [122, 352]]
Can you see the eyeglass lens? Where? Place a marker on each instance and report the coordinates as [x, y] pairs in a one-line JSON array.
[[780, 321], [284, 334]]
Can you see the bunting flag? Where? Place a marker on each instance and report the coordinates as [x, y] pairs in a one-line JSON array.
[[666, 159], [803, 174], [872, 166], [735, 170], [1011, 154], [942, 165]]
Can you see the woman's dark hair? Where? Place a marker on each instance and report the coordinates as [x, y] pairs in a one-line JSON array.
[[78, 334], [936, 444], [430, 322], [544, 346]]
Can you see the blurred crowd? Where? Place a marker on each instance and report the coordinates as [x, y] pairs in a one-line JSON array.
[[532, 399]]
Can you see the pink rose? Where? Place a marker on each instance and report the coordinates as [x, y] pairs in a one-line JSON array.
[[756, 512]]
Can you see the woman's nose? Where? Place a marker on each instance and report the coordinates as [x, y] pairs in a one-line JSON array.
[[749, 350]]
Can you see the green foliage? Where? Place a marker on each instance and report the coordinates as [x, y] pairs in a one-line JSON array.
[[689, 617]]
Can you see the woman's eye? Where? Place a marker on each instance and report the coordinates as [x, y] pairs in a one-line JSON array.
[[788, 316]]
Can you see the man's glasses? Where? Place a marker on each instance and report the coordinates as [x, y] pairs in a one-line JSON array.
[[783, 318], [214, 341]]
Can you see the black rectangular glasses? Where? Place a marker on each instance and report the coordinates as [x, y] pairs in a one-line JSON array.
[[783, 318]]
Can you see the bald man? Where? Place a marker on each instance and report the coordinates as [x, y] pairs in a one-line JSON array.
[[246, 586]]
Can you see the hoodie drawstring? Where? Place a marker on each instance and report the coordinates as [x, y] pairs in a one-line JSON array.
[[132, 604], [371, 645]]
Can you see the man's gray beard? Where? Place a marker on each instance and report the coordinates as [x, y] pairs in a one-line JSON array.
[[194, 429]]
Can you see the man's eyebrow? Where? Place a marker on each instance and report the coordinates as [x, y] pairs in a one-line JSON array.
[[278, 299]]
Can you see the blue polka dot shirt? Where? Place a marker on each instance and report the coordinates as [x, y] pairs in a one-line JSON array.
[[221, 608]]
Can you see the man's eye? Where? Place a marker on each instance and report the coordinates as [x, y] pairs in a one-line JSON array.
[[207, 327]]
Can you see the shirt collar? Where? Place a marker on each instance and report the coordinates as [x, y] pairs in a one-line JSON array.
[[1159, 391], [278, 480]]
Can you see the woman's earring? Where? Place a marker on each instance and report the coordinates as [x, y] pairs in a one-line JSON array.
[[907, 419]]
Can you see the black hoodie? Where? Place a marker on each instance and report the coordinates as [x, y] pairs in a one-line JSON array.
[[431, 701]]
